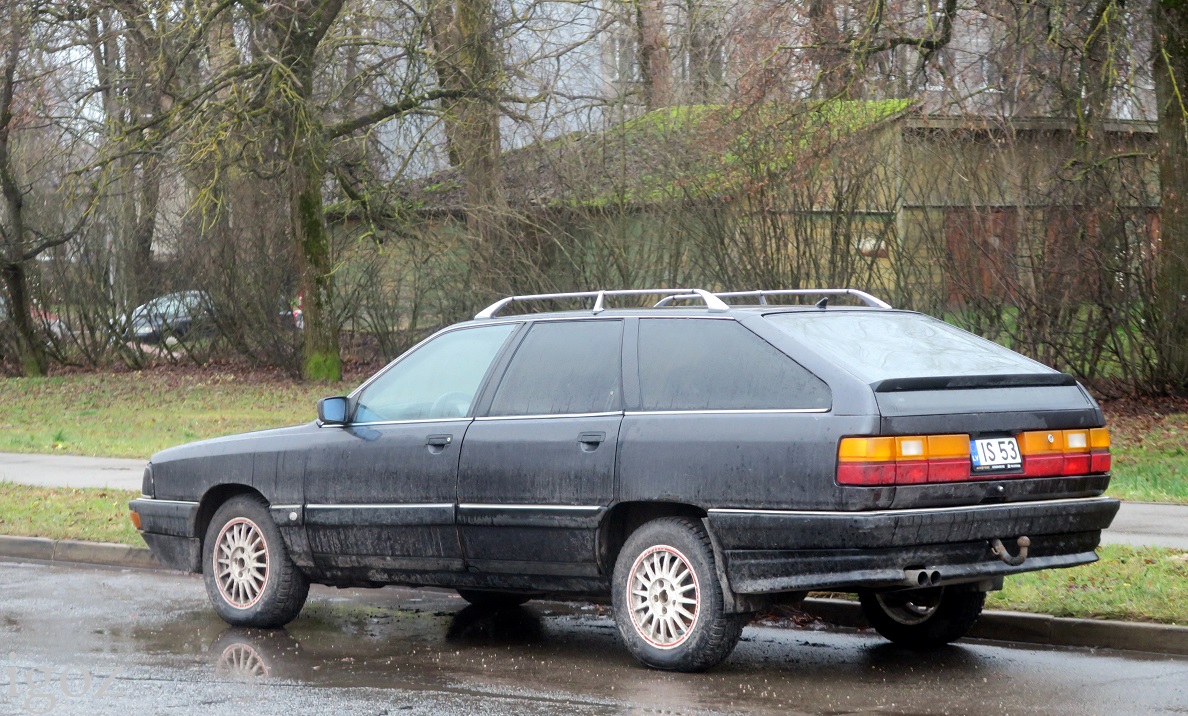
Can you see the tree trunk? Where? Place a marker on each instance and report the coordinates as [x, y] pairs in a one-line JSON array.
[[305, 152], [655, 60], [1171, 93], [467, 62], [31, 350], [835, 71]]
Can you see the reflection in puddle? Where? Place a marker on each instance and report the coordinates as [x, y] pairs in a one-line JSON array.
[[486, 626], [251, 654]]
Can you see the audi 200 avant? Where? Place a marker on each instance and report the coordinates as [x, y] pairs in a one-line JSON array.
[[695, 461]]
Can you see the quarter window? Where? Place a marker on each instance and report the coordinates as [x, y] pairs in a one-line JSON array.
[[691, 364], [437, 380], [564, 368]]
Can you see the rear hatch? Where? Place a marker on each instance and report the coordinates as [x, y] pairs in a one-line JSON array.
[[963, 420]]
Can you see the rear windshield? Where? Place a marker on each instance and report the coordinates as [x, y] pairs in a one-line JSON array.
[[879, 345]]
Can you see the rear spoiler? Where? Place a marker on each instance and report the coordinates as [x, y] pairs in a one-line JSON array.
[[956, 382]]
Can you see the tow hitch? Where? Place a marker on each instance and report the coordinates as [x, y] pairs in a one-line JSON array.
[[1001, 552]]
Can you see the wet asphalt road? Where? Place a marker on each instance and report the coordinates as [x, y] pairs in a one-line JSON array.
[[93, 641]]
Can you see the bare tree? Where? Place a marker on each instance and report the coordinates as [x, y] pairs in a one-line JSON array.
[[23, 236], [1171, 88]]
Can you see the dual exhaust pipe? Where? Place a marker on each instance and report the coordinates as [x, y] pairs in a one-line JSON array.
[[919, 578]]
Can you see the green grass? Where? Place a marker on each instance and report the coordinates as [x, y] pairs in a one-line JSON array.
[[1131, 584], [90, 515], [1150, 456], [135, 414]]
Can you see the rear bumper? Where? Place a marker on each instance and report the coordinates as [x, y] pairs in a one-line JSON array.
[[774, 551]]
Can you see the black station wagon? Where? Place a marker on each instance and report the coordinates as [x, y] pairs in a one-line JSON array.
[[695, 461]]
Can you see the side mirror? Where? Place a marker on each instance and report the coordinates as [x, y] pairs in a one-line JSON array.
[[332, 411]]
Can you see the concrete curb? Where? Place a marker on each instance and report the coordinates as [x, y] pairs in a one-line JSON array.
[[994, 626], [69, 551], [1036, 629]]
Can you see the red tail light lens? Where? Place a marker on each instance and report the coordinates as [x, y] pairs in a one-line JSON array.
[[1051, 453], [906, 460], [920, 459]]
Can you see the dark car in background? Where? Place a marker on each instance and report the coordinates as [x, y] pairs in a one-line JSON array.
[[695, 461], [174, 315]]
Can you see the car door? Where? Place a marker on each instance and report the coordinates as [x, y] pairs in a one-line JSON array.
[[724, 419], [380, 491], [537, 471]]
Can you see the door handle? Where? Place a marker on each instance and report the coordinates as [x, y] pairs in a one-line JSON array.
[[593, 439], [439, 440]]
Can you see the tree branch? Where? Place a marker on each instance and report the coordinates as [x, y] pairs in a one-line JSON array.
[[389, 111]]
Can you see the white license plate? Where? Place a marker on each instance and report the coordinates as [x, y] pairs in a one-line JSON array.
[[995, 454]]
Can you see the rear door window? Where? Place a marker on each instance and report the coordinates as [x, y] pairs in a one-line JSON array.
[[564, 368], [692, 364]]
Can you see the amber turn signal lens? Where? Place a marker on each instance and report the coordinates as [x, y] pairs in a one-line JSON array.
[[1099, 438], [866, 450], [135, 519]]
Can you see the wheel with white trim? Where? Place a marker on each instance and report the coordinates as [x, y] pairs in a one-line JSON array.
[[668, 600], [250, 579]]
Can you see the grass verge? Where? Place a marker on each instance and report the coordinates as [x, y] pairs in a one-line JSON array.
[[1130, 584], [1150, 456], [1146, 584], [135, 414], [90, 515]]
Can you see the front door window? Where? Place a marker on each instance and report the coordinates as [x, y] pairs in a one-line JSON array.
[[436, 381]]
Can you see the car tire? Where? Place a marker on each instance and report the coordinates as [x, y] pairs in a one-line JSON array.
[[923, 618], [667, 598], [249, 576], [493, 600]]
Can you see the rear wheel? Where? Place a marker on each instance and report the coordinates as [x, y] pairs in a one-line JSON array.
[[668, 600], [493, 600], [923, 618], [250, 579]]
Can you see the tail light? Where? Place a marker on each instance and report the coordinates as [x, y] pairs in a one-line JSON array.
[[1050, 453], [920, 459], [906, 460]]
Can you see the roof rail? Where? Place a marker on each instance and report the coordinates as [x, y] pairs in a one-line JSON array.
[[865, 297], [712, 302]]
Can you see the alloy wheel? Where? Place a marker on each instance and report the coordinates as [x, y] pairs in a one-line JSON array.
[[241, 563], [663, 597]]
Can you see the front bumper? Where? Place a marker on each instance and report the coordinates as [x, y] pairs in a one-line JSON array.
[[769, 551], [169, 528]]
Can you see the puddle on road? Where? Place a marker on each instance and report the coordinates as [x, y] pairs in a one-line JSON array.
[[159, 629]]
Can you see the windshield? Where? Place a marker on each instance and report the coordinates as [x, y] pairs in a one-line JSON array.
[[880, 345]]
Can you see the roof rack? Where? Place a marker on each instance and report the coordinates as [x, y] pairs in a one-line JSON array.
[[712, 302], [865, 297]]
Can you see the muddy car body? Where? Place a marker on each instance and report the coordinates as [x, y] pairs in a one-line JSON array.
[[694, 462]]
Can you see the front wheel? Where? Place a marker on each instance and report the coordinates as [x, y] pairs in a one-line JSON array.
[[668, 600], [923, 618], [249, 576]]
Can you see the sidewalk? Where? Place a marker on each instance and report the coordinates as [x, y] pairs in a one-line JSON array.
[[1139, 524]]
